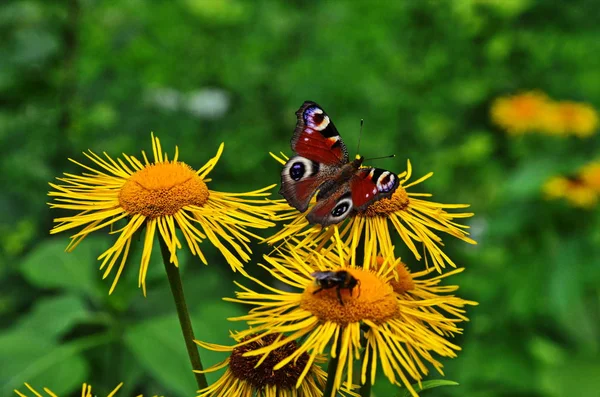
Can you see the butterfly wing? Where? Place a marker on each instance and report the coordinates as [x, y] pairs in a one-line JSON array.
[[363, 189], [316, 138], [301, 178], [333, 208], [371, 184], [321, 154]]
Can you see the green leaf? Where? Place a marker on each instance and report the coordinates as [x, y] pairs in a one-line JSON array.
[[525, 181], [52, 317], [41, 363], [49, 266], [574, 376], [216, 330], [428, 384], [158, 345]]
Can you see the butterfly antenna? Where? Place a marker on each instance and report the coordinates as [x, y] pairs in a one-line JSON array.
[[383, 157], [362, 121]]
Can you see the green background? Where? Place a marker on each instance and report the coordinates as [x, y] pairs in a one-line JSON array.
[[101, 75]]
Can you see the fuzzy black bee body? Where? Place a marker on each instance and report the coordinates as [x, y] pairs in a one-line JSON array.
[[339, 280]]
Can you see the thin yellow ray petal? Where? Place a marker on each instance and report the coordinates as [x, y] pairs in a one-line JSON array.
[[32, 390], [115, 390], [146, 252], [121, 266], [208, 167]]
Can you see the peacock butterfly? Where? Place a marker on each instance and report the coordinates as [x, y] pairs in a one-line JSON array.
[[321, 164]]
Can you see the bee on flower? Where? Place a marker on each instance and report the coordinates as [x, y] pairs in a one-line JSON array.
[[395, 320]]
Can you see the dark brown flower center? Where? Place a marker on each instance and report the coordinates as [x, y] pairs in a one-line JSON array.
[[285, 378]]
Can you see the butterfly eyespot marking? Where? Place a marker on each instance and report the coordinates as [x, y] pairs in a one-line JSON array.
[[315, 118], [297, 171], [342, 208], [386, 182], [298, 168]]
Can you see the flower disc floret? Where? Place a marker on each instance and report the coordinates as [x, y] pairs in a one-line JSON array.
[[250, 375], [403, 280], [373, 299], [398, 202], [163, 189], [262, 375]]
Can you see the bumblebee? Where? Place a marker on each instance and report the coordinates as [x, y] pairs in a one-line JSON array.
[[338, 280]]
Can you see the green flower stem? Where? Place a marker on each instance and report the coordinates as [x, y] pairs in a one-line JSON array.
[[183, 314], [331, 370]]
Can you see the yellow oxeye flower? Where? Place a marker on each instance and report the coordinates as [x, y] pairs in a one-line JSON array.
[[579, 119], [249, 376], [411, 215], [575, 191], [555, 187], [86, 391], [161, 195], [521, 113], [590, 175], [398, 332]]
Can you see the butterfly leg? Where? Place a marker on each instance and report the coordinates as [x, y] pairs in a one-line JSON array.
[[317, 290]]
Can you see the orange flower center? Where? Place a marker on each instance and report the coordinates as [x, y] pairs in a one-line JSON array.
[[398, 202], [163, 189], [527, 106], [403, 281], [371, 299]]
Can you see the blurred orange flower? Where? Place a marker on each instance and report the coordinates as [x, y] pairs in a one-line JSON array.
[[521, 113], [590, 175], [574, 190], [535, 112], [579, 119]]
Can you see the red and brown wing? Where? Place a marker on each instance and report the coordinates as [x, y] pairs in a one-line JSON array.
[[363, 189], [316, 138], [371, 184], [332, 209], [301, 178]]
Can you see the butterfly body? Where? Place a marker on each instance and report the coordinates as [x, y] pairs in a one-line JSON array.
[[322, 165], [343, 175]]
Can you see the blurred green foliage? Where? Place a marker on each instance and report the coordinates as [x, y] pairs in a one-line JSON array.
[[78, 75]]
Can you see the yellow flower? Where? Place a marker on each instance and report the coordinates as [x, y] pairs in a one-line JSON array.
[[521, 113], [161, 195], [590, 175], [411, 215], [575, 191], [555, 187], [577, 118], [535, 112], [86, 391], [398, 320], [246, 376]]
